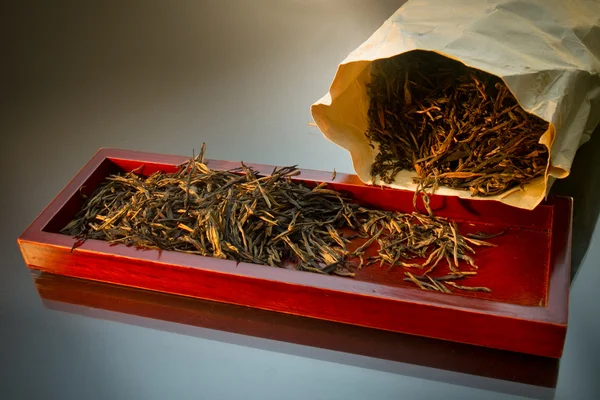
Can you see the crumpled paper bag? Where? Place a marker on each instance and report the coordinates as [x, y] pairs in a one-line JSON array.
[[547, 53]]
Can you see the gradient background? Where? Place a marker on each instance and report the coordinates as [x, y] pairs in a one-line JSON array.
[[164, 77]]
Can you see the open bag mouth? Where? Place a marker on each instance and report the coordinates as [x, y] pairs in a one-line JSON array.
[[391, 98]]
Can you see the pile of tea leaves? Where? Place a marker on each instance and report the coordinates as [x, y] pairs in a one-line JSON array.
[[455, 126], [269, 220]]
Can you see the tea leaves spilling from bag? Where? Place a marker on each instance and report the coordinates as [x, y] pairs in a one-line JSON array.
[[455, 126]]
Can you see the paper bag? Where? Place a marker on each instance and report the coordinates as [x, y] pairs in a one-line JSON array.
[[547, 53]]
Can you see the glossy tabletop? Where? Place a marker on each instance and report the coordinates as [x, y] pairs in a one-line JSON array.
[[239, 75]]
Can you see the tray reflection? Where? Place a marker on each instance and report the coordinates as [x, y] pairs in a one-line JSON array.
[[460, 364]]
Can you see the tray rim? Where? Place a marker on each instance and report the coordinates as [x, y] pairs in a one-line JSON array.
[[555, 313]]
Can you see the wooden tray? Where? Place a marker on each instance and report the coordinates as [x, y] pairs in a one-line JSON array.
[[528, 272]]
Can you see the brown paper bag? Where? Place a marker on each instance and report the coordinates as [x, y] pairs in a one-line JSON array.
[[547, 53]]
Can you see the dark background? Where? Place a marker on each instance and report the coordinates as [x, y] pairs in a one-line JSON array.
[[240, 76]]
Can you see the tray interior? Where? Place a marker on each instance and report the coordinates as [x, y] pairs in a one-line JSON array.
[[517, 270]]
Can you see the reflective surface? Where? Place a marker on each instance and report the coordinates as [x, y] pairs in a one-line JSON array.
[[351, 345], [239, 75]]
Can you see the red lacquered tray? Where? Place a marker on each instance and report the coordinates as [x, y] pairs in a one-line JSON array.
[[528, 272]]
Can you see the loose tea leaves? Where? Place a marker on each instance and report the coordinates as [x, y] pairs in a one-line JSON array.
[[427, 282], [455, 126], [268, 220]]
